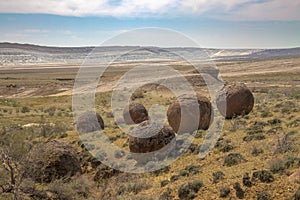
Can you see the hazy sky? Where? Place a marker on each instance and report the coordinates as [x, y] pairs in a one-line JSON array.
[[211, 23]]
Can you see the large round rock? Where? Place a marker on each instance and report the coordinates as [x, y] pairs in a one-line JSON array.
[[52, 160], [149, 137], [135, 113], [235, 99], [89, 122], [186, 105]]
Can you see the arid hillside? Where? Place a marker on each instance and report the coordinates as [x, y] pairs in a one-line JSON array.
[[257, 156]]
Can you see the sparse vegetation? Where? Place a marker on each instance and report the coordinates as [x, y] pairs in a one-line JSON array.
[[224, 191], [269, 135], [218, 176], [233, 159], [189, 190], [264, 176]]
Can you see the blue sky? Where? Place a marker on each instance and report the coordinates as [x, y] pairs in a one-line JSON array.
[[214, 23]]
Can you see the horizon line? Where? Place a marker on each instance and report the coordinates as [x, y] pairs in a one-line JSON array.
[[95, 46]]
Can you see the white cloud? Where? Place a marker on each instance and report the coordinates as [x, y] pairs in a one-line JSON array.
[[270, 10], [229, 9]]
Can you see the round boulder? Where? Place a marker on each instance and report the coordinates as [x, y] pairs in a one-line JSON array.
[[234, 100], [52, 160], [135, 113], [149, 137], [89, 122], [185, 105]]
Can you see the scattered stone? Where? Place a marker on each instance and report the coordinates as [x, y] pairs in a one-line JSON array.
[[187, 106], [52, 160], [234, 100], [89, 122], [135, 113]]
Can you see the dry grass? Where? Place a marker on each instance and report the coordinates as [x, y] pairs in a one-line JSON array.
[[276, 97]]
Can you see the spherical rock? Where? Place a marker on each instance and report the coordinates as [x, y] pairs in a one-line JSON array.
[[89, 122], [52, 160], [150, 137], [135, 113], [159, 136], [185, 105], [234, 100]]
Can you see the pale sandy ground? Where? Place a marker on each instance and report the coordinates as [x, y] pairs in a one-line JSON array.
[[230, 70]]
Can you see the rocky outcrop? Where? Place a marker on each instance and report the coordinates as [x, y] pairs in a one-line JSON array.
[[234, 100], [88, 122], [135, 113], [186, 105], [52, 160]]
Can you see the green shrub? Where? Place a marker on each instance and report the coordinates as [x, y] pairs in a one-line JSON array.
[[263, 196], [217, 176], [189, 190], [233, 159], [25, 109], [257, 136], [184, 173], [265, 114], [264, 176], [224, 191]]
